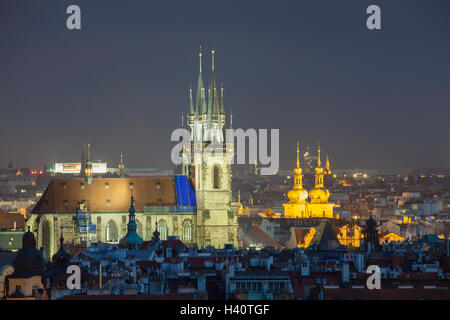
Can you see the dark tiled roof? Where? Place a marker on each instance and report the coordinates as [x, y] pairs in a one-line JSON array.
[[255, 236]]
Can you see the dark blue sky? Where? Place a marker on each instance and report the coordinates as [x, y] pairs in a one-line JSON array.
[[375, 99]]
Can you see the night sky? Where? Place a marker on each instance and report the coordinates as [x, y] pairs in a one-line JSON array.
[[374, 99]]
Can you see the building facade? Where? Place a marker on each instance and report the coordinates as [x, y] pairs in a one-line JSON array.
[[318, 206]]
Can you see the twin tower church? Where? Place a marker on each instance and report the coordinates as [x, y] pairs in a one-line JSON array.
[[195, 206]]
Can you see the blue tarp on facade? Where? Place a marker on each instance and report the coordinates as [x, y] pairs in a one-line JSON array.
[[185, 192]]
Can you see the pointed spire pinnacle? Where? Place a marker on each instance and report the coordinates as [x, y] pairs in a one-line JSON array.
[[212, 59], [231, 119], [182, 119], [222, 109], [121, 158], [199, 106], [327, 165], [298, 155], [318, 154], [191, 103], [200, 57], [239, 195]]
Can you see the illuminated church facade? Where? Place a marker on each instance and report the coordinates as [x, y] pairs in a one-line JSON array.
[[318, 205]]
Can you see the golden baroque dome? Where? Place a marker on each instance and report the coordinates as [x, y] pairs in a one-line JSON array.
[[319, 195], [297, 195]]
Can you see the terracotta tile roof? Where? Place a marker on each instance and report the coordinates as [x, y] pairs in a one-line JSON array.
[[64, 194], [7, 221]]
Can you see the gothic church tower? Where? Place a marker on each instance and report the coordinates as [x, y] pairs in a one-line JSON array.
[[209, 169]]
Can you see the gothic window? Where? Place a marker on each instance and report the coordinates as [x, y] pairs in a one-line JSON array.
[[46, 234], [187, 230], [162, 228], [112, 234], [216, 177]]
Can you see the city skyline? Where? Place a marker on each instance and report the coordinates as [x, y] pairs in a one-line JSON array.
[[373, 99]]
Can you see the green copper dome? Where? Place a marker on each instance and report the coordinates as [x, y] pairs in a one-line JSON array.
[[132, 240]]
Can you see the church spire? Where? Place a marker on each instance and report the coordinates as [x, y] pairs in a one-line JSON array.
[[318, 154], [222, 109], [88, 170], [297, 194], [200, 100], [231, 119], [327, 165], [191, 103], [132, 240]]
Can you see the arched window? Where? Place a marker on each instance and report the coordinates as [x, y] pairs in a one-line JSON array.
[[162, 228], [112, 235], [187, 230], [46, 238], [139, 229], [216, 177]]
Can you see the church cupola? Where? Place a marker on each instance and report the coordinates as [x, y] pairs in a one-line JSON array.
[[319, 194], [62, 255], [298, 194], [132, 240]]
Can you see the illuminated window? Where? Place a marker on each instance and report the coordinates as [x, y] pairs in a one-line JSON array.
[[66, 203], [82, 185], [162, 228], [106, 185], [108, 202], [111, 232], [63, 185], [158, 185], [131, 186]]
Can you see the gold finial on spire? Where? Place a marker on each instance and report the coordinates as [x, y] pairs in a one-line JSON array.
[[121, 157], [200, 55], [239, 195], [327, 165], [318, 154], [212, 52], [298, 155], [182, 119]]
